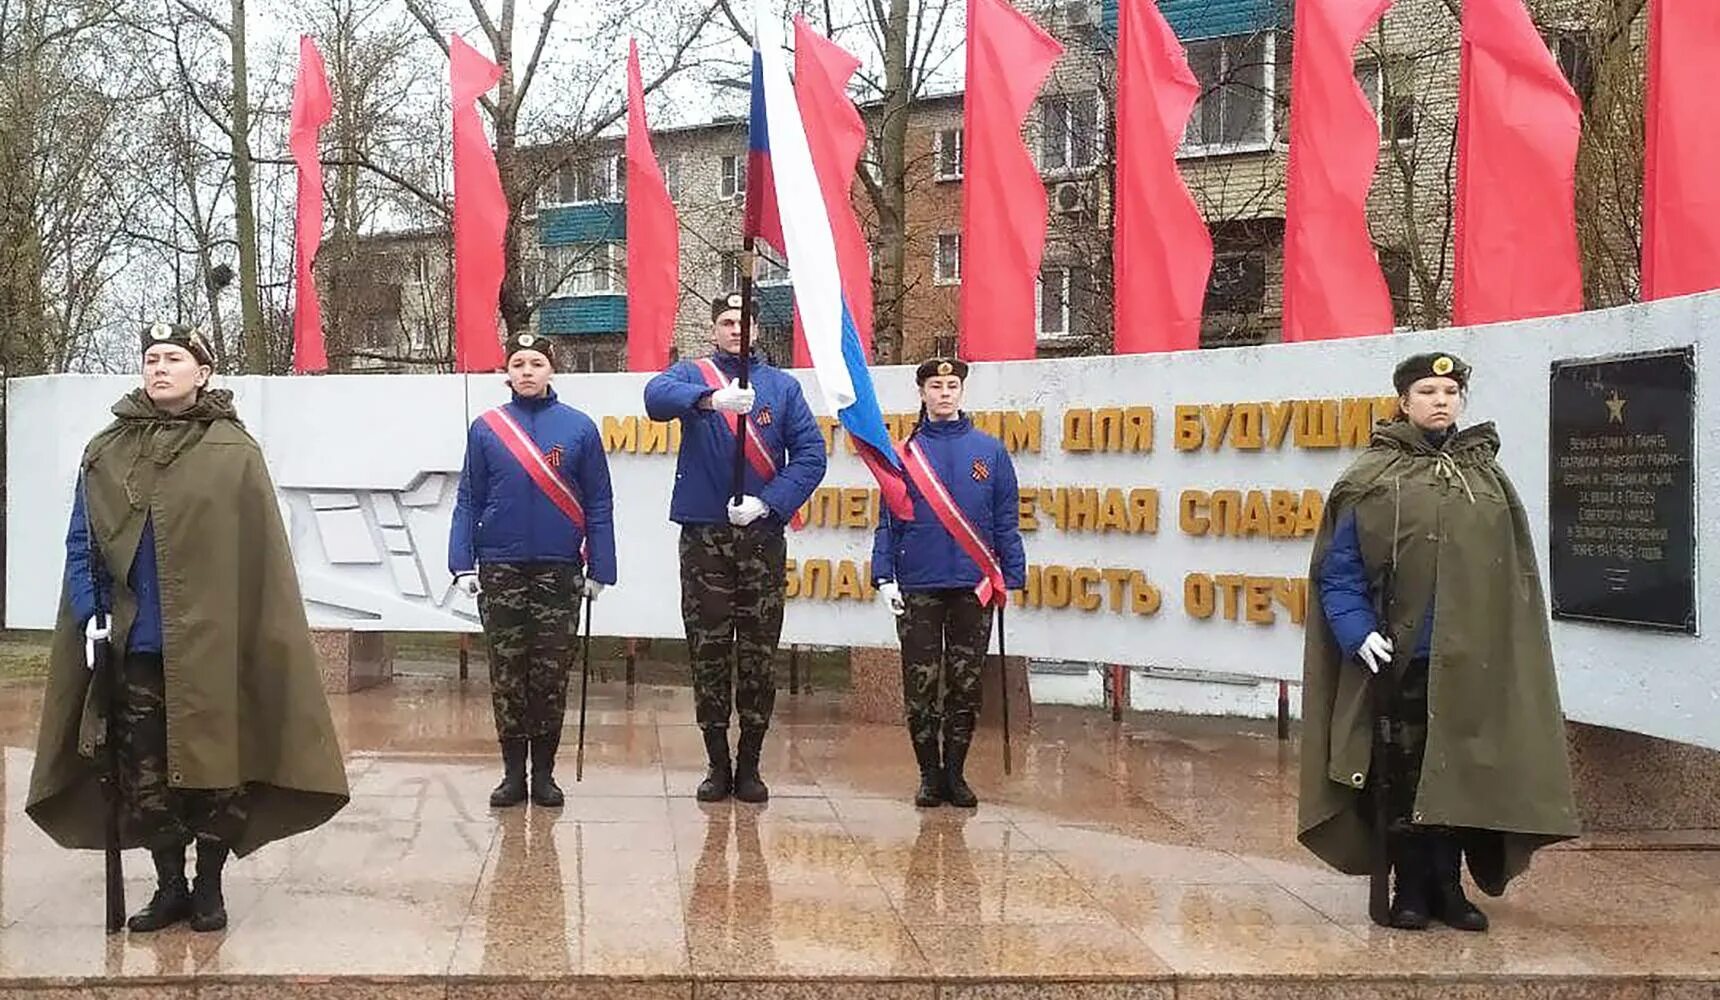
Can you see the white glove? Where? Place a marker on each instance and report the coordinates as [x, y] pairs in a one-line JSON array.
[[892, 596], [1376, 651], [732, 398], [746, 510], [468, 582], [592, 588], [95, 630]]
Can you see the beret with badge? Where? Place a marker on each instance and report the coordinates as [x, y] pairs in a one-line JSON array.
[[1435, 365], [723, 303], [189, 338], [934, 367], [531, 342]]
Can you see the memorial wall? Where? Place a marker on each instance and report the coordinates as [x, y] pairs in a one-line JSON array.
[[1168, 502]]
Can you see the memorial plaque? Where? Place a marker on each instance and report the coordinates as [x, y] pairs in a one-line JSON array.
[[1622, 499]]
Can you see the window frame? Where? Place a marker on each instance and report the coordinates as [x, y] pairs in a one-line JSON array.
[[941, 273], [1268, 41], [1096, 145], [732, 168], [568, 274], [938, 143]]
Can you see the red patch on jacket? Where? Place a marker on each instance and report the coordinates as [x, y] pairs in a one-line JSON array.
[[981, 471], [553, 457]]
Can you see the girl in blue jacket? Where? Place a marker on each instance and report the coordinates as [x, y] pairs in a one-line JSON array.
[[532, 534], [931, 581]]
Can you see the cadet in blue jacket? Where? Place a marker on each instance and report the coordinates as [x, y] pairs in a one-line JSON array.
[[733, 553], [532, 534], [932, 583]]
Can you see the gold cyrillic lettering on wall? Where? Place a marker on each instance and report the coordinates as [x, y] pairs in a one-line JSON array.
[[1257, 426], [641, 435], [1258, 513], [823, 580], [1114, 429], [1092, 509], [1258, 600], [1019, 430], [1089, 588]]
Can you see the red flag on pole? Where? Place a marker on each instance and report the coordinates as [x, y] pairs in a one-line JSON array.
[[1163, 252], [1332, 281], [837, 137], [312, 106], [1003, 197], [1681, 180], [480, 216], [1518, 122], [653, 239]]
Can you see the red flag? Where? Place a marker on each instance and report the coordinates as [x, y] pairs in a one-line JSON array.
[[480, 216], [837, 137], [1517, 127], [1332, 281], [653, 239], [1003, 201], [1163, 251], [312, 106], [1681, 182]]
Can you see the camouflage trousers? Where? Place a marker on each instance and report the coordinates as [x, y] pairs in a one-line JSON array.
[[945, 635], [531, 619], [156, 814], [732, 591]]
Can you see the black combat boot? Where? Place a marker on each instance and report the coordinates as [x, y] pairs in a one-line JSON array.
[[545, 792], [931, 791], [208, 908], [720, 779], [748, 786], [172, 900], [1410, 868], [956, 790], [512, 790], [1446, 900]]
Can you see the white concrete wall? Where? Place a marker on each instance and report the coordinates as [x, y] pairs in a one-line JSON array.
[[366, 467]]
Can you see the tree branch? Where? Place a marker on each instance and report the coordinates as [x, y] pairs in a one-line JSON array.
[[525, 81], [435, 33], [200, 15]]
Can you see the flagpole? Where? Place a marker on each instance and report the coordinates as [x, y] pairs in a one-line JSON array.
[[746, 363]]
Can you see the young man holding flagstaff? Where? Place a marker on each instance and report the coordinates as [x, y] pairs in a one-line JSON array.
[[733, 551], [532, 535], [943, 572]]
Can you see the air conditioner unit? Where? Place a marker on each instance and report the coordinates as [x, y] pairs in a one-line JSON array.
[[1068, 198], [1081, 13]]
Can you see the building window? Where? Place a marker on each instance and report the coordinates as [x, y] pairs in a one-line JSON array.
[[1234, 113], [586, 182], [734, 177], [1069, 131], [944, 345], [607, 353], [1238, 283], [1398, 268], [947, 154], [769, 270], [1064, 294], [731, 276], [672, 175], [584, 269], [1394, 111], [1574, 53], [947, 259]]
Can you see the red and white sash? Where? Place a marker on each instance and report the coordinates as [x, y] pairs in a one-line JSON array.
[[992, 589], [526, 452], [757, 455]]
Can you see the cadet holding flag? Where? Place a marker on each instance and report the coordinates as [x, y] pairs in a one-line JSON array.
[[531, 537], [733, 552], [177, 556], [942, 572]]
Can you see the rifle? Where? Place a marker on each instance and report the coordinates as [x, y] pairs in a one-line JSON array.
[[584, 682], [104, 677], [1379, 766]]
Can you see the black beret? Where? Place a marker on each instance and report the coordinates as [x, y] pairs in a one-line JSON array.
[[187, 337], [1436, 365], [933, 367], [531, 342], [723, 303]]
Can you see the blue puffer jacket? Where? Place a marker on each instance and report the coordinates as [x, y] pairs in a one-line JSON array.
[[705, 469], [975, 468], [501, 516], [143, 581], [1347, 597]]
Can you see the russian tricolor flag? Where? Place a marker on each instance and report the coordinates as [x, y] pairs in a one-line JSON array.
[[785, 208]]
